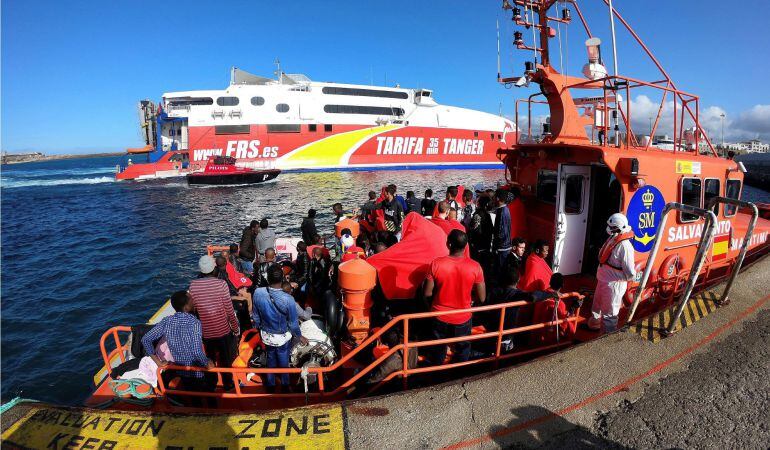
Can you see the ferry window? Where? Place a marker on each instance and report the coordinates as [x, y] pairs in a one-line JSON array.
[[732, 190], [491, 135], [711, 190], [475, 134], [257, 101], [231, 129], [190, 101], [573, 194], [284, 128], [311, 128], [546, 186], [227, 101], [282, 107], [355, 109], [499, 136], [691, 193], [328, 128], [335, 90]]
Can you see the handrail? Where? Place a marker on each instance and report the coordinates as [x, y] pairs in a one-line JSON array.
[[746, 238], [700, 257], [211, 249], [405, 371]]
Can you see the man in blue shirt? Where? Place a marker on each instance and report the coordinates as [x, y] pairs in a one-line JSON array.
[[275, 315], [501, 241], [184, 336]]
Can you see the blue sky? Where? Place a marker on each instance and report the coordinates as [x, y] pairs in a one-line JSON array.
[[72, 72]]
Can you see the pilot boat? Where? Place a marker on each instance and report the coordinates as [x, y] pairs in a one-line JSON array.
[[222, 170], [690, 229]]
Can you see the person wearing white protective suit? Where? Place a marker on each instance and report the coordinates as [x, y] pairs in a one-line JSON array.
[[616, 268]]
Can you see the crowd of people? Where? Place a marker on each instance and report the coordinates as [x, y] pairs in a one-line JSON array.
[[246, 286]]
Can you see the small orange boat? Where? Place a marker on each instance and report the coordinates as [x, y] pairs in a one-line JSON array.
[[691, 231]]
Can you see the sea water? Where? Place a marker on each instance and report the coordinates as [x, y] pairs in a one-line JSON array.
[[82, 252]]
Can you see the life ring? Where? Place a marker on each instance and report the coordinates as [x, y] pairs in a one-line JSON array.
[[249, 341], [670, 268], [633, 286]]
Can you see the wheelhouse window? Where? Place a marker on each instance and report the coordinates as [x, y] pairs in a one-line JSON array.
[[282, 108], [573, 194], [710, 190], [546, 186], [355, 109], [227, 101], [690, 195], [358, 92], [732, 190], [231, 129], [257, 101], [284, 128]]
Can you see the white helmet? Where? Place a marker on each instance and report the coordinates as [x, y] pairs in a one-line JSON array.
[[617, 223]]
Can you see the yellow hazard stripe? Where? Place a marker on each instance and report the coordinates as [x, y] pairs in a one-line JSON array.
[[51, 427], [651, 328]]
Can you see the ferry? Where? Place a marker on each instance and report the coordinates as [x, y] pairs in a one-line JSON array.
[[296, 124], [690, 232]]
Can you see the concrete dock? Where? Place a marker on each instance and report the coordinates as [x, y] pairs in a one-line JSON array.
[[706, 386]]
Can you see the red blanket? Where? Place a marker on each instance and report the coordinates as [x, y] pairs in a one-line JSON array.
[[537, 274], [401, 269], [238, 279]]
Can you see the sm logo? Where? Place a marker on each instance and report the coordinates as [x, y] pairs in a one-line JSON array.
[[644, 212]]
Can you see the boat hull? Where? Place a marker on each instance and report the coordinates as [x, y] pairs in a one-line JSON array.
[[231, 179]]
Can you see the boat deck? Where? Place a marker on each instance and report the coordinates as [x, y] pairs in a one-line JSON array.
[[545, 397]]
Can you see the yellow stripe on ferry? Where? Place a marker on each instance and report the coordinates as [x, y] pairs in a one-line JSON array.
[[330, 151], [50, 427]]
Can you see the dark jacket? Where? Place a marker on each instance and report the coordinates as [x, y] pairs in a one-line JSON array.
[[393, 212], [480, 232], [427, 205], [413, 205], [308, 230], [502, 239], [302, 268], [248, 246]]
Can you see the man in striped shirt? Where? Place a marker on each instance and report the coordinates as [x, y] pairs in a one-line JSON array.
[[211, 298]]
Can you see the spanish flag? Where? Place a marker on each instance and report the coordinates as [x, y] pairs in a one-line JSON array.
[[720, 247]]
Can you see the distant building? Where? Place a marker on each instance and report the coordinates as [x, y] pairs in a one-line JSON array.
[[755, 146], [752, 146]]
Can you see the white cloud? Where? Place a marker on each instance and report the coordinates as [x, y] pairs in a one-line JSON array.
[[753, 123]]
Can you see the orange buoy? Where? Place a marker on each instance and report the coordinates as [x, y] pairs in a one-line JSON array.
[[356, 279], [350, 224]]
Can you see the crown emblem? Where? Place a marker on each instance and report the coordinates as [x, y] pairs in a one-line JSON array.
[[647, 199]]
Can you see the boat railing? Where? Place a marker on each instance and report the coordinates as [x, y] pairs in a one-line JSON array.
[[697, 265], [735, 268], [329, 383], [685, 110]]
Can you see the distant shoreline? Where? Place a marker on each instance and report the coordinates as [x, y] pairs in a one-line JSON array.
[[26, 158]]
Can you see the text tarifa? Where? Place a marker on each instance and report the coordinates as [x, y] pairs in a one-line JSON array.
[[398, 145]]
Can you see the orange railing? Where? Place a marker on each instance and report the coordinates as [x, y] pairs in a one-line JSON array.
[[322, 390], [604, 103]]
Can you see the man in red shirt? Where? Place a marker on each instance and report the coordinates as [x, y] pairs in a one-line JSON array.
[[537, 272], [211, 299], [442, 220], [450, 281]]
